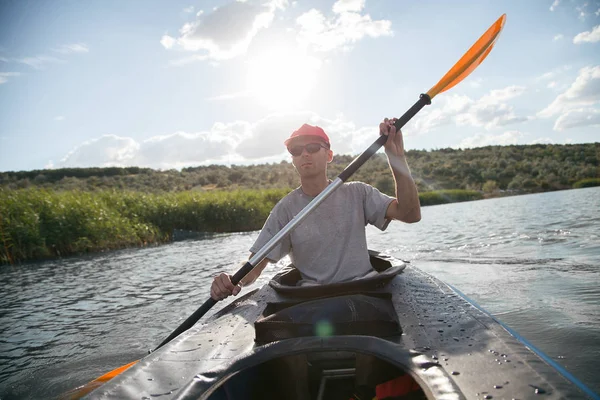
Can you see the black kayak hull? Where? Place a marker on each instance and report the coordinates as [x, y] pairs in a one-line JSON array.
[[452, 349]]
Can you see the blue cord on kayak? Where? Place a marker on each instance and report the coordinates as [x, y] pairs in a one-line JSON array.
[[537, 351]]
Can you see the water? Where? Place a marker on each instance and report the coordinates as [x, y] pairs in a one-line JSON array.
[[533, 261]]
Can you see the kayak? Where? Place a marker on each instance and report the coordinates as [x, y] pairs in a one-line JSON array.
[[399, 334]]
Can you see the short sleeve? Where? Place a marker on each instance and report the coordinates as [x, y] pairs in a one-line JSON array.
[[273, 224], [376, 205]]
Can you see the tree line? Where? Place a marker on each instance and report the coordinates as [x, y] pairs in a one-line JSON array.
[[491, 169]]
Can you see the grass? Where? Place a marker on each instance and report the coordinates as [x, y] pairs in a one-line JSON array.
[[38, 223], [584, 183]]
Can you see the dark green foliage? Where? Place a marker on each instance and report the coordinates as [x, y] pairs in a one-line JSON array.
[[529, 168], [591, 182]]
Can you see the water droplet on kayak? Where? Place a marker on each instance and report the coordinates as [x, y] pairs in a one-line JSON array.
[[150, 379], [456, 339], [455, 373], [488, 396], [504, 355], [434, 357], [497, 386], [445, 358], [145, 398], [538, 390], [440, 330], [421, 325]]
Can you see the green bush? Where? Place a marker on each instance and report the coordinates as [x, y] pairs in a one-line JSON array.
[[590, 182]]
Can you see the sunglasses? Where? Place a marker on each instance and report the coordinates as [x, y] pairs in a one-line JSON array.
[[311, 148]]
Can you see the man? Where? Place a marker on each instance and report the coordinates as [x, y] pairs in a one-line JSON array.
[[330, 245]]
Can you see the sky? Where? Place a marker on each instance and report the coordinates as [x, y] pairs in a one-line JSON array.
[[172, 84]]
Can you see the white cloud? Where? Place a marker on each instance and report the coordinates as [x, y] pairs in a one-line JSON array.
[[584, 91], [108, 150], [554, 5], [489, 116], [475, 83], [553, 74], [167, 41], [545, 140], [239, 142], [597, 13], [39, 62], [558, 37], [551, 85], [72, 48], [59, 118], [189, 9], [581, 11], [346, 27], [489, 111], [5, 75], [588, 36], [226, 32], [342, 6], [481, 140], [578, 117], [500, 95]]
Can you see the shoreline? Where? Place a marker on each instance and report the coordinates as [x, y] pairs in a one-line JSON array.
[[60, 225]]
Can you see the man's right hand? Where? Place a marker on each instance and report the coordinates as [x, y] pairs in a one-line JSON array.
[[222, 287]]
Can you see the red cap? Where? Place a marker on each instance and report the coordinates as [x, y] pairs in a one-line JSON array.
[[309, 130]]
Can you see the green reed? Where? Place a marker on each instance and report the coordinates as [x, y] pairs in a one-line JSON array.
[[38, 224]]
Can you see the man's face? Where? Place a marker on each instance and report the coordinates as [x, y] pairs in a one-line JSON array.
[[310, 164]]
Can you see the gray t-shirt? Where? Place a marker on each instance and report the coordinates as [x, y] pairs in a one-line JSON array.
[[330, 245]]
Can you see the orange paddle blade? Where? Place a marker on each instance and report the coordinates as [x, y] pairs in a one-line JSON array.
[[471, 59], [81, 391]]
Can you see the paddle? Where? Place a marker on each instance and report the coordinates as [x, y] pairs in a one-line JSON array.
[[467, 63]]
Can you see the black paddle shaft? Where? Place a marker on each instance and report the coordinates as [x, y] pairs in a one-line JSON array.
[[204, 308], [424, 100]]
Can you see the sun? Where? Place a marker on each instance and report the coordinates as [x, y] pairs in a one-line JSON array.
[[282, 78]]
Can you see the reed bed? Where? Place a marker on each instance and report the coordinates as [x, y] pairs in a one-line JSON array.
[[38, 224]]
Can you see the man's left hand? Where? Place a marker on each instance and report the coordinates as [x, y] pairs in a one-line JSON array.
[[394, 146]]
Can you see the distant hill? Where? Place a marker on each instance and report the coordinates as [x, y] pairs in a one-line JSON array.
[[523, 168]]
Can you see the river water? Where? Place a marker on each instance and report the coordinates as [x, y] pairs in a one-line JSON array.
[[533, 261]]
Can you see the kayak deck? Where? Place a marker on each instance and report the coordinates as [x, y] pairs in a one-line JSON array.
[[451, 348]]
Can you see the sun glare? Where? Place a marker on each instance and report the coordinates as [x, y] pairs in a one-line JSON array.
[[282, 78]]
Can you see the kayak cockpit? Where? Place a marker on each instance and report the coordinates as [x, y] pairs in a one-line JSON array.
[[321, 375]]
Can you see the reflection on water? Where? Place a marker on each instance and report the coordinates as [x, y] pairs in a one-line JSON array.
[[533, 261]]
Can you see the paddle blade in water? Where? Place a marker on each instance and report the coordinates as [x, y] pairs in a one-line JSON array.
[[81, 391], [470, 60]]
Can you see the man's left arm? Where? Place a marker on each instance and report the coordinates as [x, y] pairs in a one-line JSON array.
[[406, 207]]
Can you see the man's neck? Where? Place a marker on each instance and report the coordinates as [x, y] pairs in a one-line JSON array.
[[313, 186]]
